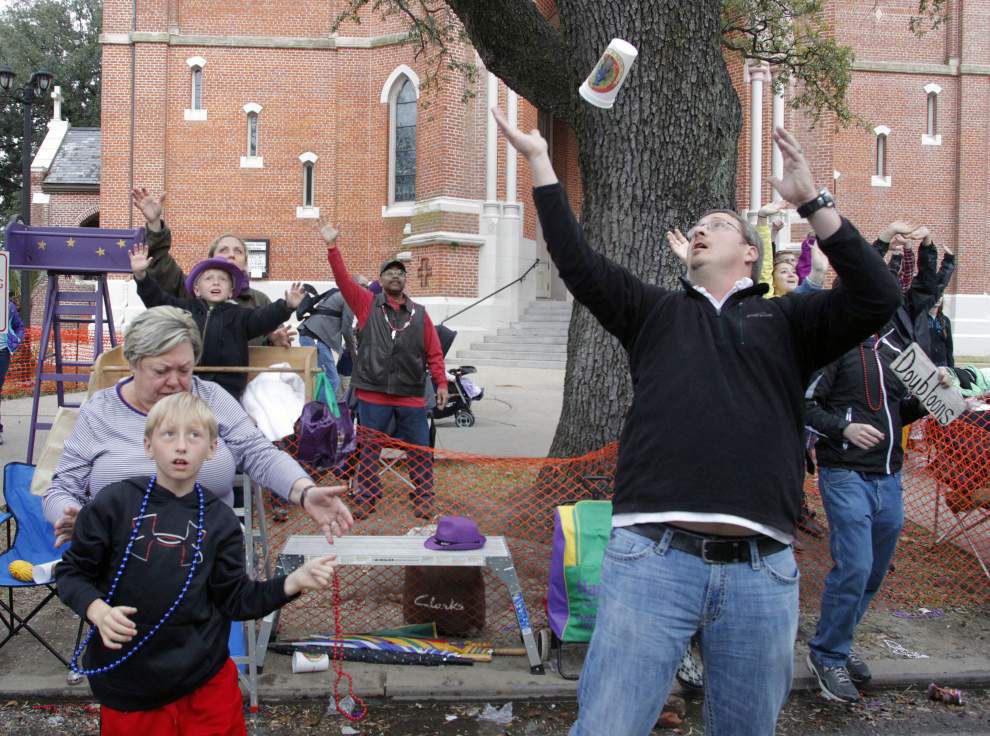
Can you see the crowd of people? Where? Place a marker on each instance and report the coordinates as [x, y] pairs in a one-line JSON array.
[[733, 372]]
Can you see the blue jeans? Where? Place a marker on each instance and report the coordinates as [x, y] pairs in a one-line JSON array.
[[865, 517], [324, 359], [411, 426], [653, 600]]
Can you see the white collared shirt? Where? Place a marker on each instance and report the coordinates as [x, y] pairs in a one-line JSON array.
[[741, 284]]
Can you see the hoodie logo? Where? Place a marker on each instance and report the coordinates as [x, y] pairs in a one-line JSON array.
[[185, 543]]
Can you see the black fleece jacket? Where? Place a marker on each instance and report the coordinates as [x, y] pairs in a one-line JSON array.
[[226, 329], [860, 387], [191, 647], [717, 416]]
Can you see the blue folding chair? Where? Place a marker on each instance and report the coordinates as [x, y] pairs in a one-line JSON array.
[[34, 542]]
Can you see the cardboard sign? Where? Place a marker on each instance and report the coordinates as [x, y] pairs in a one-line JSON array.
[[920, 376]]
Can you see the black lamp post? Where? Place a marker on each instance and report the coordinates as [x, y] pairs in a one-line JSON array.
[[32, 91]]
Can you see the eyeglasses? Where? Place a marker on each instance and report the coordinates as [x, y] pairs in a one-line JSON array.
[[393, 272], [713, 225]]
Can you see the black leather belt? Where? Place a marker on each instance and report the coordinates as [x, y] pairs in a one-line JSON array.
[[711, 549]]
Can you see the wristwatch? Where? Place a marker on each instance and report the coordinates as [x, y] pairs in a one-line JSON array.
[[824, 199]]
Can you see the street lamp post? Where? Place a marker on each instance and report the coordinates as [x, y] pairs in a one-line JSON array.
[[32, 91]]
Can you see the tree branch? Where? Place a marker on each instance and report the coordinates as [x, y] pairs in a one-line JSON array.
[[519, 46]]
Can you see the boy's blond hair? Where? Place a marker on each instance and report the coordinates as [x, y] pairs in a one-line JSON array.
[[182, 405]]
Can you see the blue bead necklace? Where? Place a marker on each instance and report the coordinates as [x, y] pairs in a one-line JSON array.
[[74, 665]]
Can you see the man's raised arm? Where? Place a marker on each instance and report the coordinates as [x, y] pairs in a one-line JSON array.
[[613, 295], [828, 323]]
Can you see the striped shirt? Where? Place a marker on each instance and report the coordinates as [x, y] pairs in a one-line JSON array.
[[107, 445]]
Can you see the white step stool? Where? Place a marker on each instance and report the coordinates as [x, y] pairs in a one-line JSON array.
[[402, 551]]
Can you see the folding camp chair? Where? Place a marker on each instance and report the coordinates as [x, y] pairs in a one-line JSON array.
[[34, 542]]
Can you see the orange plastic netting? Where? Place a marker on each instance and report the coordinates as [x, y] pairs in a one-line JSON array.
[[77, 347], [515, 497], [946, 478]]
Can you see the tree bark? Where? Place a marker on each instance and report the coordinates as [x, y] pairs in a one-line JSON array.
[[664, 155]]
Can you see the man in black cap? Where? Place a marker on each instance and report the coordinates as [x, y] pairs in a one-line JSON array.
[[397, 343]]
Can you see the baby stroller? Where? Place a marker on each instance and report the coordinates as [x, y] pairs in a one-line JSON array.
[[461, 392]]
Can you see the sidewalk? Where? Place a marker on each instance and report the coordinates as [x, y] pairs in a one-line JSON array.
[[517, 417]]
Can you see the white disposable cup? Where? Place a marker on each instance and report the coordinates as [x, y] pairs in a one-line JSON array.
[[602, 85], [43, 573], [309, 662]]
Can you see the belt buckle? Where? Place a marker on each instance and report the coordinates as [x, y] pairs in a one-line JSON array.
[[704, 551]]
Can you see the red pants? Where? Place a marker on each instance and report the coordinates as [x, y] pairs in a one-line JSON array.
[[214, 709]]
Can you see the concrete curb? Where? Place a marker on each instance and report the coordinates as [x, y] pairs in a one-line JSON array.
[[506, 679]]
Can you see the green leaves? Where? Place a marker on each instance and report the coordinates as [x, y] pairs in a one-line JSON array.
[[794, 37], [62, 35]]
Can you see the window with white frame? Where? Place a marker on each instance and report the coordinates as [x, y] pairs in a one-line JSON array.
[[307, 184], [881, 170], [252, 133], [308, 210], [197, 89], [401, 93], [196, 110], [931, 136], [253, 159], [404, 140]]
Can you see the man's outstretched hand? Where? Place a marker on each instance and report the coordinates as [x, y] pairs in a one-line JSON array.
[[532, 146]]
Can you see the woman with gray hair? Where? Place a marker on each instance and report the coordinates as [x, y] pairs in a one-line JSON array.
[[106, 445]]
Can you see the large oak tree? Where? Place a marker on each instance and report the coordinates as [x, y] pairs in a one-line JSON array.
[[664, 154]]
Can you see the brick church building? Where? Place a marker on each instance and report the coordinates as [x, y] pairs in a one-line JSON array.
[[256, 120]]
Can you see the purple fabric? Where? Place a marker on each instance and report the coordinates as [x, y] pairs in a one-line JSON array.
[[557, 590], [325, 441], [237, 276], [456, 533], [317, 435], [803, 266]]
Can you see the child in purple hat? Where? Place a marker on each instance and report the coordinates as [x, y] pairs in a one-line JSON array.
[[226, 326]]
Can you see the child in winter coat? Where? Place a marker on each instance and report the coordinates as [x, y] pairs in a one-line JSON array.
[[226, 326]]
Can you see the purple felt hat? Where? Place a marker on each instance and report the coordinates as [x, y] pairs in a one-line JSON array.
[[456, 533], [237, 276]]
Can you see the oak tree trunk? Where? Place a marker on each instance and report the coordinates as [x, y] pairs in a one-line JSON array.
[[661, 157]]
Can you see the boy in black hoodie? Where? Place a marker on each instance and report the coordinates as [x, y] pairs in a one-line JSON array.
[[226, 326], [156, 565]]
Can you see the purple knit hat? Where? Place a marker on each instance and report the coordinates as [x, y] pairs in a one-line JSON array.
[[456, 533], [237, 276]]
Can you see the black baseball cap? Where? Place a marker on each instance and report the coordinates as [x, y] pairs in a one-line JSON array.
[[392, 262]]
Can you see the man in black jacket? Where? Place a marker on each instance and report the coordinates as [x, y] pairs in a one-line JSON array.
[[711, 462], [858, 407]]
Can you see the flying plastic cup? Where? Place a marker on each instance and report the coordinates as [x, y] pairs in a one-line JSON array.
[[602, 85]]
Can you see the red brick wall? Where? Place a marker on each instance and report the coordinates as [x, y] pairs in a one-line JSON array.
[[66, 209], [327, 101], [320, 100]]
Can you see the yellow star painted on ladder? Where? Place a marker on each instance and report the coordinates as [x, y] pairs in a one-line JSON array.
[[71, 243], [100, 252], [42, 244]]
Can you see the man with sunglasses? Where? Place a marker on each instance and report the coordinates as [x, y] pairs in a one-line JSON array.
[[396, 344], [711, 457]]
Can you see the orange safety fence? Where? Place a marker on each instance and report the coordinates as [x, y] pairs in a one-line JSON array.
[[515, 497], [77, 347]]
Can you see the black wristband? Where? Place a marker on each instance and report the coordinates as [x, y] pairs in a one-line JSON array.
[[824, 199], [302, 495]]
